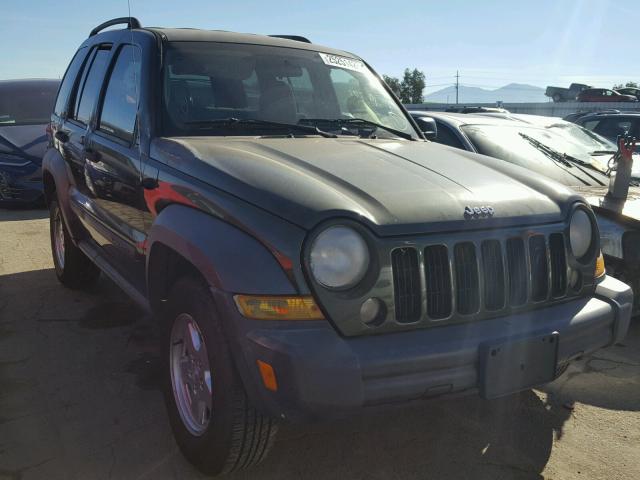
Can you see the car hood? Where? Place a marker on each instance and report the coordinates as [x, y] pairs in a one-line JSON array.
[[396, 187], [26, 140], [627, 210]]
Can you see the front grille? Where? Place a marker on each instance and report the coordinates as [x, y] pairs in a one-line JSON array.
[[487, 277], [406, 284]]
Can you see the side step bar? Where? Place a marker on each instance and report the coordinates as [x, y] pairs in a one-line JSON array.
[[90, 251]]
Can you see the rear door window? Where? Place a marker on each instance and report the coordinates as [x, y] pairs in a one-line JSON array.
[[88, 94], [62, 102], [446, 136], [120, 103], [612, 127]]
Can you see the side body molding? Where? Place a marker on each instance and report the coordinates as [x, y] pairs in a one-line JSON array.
[[228, 258]]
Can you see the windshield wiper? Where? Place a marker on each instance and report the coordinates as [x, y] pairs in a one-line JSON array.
[[359, 121], [232, 122], [603, 152], [563, 158]]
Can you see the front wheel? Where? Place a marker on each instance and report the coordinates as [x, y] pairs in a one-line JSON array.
[[73, 268], [215, 426]]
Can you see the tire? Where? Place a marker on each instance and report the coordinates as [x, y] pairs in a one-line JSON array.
[[227, 433], [73, 268]]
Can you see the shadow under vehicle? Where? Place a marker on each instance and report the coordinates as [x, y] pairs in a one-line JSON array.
[[307, 253]]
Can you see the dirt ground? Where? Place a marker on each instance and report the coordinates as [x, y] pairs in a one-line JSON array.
[[79, 399]]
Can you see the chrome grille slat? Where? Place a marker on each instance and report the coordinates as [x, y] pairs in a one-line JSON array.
[[406, 284], [468, 287], [558, 265], [438, 281], [517, 265], [539, 268], [493, 271]]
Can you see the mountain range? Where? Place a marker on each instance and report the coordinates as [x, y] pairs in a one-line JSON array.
[[511, 93]]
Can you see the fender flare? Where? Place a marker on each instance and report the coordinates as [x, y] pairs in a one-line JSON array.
[[54, 165], [229, 259]]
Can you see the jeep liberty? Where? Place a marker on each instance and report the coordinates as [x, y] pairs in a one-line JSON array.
[[306, 251]]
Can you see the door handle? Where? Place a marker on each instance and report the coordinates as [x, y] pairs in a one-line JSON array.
[[61, 136], [91, 155]]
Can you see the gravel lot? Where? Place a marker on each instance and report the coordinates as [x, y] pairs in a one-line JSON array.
[[79, 399]]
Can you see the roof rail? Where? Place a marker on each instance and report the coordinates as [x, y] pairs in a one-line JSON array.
[[297, 38], [131, 22]]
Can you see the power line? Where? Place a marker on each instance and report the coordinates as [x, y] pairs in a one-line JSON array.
[[457, 85]]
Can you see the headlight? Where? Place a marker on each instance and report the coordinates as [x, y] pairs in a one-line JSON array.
[[339, 257], [580, 233]]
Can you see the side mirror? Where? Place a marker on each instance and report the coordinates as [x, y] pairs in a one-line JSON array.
[[428, 127]]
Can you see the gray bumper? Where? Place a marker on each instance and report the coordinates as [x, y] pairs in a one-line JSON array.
[[320, 373]]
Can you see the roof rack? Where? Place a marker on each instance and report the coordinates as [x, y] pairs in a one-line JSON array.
[[297, 38], [131, 22]]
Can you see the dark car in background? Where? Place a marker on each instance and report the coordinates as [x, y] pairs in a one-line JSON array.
[[566, 153], [611, 124], [604, 95], [25, 109]]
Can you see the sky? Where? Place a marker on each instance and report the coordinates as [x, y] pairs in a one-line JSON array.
[[491, 42]]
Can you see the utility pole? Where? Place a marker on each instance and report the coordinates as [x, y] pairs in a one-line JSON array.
[[457, 85]]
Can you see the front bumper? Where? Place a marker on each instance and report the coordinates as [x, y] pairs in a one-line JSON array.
[[322, 374], [21, 184]]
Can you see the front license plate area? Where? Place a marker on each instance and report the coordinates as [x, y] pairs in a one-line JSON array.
[[513, 365]]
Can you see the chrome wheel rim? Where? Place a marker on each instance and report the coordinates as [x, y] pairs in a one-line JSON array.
[[58, 239], [191, 374]]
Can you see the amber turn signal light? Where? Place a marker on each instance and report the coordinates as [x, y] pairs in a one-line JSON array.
[[268, 376], [278, 308], [600, 270]]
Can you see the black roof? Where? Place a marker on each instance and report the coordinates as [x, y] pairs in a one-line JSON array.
[[198, 35]]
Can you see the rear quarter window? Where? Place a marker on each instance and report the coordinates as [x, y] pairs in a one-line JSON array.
[[120, 104], [88, 96], [69, 80]]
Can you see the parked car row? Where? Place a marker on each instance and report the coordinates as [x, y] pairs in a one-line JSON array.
[[586, 93], [307, 252]]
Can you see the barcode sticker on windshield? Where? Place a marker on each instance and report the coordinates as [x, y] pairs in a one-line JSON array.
[[343, 62]]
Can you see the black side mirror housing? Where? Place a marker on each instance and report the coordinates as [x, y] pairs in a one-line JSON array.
[[428, 127]]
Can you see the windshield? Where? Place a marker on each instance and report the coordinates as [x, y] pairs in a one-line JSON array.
[[207, 82], [27, 104], [583, 137], [510, 143]]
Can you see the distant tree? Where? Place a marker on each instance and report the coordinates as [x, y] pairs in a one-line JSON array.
[[412, 86], [628, 84], [410, 89], [394, 84]]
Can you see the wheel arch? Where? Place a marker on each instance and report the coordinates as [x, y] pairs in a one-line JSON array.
[[58, 180], [184, 241]]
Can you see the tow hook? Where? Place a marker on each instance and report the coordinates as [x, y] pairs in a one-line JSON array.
[[620, 168]]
